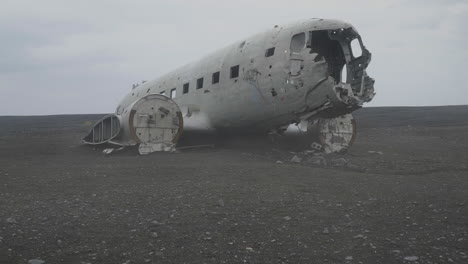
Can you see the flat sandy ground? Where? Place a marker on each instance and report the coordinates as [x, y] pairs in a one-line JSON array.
[[400, 195]]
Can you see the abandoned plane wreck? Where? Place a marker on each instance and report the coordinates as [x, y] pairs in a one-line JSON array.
[[308, 73]]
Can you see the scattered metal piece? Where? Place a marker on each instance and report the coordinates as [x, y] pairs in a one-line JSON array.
[[148, 147], [316, 146], [108, 151]]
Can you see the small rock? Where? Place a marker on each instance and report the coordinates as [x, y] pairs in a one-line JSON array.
[[279, 162], [154, 235], [11, 220], [411, 258], [287, 218], [36, 261], [249, 249], [359, 236], [221, 202], [349, 258], [325, 231], [155, 223], [296, 159], [340, 162]]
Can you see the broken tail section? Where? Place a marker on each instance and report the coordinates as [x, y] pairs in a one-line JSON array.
[[153, 122]]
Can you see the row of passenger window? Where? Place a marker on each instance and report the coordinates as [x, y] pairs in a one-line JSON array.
[[199, 85], [234, 73]]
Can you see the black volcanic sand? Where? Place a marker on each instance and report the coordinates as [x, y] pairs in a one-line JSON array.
[[400, 195]]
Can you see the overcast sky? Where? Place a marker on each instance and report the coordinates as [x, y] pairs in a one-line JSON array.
[[67, 57]]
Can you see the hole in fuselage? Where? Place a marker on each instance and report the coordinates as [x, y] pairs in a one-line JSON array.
[[327, 49], [344, 74], [356, 48], [273, 92]]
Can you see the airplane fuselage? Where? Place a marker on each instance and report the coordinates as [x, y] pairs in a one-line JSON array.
[[269, 80], [311, 73]]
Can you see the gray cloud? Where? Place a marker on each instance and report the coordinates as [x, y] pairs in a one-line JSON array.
[[83, 56]]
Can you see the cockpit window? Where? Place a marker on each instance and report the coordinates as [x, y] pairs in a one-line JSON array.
[[356, 48], [297, 42]]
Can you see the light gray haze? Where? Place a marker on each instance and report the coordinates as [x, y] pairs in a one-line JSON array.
[[70, 57]]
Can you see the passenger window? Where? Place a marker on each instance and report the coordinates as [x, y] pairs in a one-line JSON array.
[[200, 83], [185, 88], [215, 78], [356, 48], [297, 42], [235, 71], [163, 93], [270, 52], [173, 92]]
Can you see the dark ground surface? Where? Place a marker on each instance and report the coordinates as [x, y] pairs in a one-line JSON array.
[[400, 195]]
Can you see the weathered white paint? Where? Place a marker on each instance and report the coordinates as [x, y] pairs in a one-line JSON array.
[[297, 83], [247, 101]]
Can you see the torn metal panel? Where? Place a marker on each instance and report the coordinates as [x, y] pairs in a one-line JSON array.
[[148, 147]]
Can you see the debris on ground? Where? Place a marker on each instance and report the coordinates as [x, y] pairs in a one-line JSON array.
[[411, 258], [36, 261], [316, 146], [296, 159], [109, 151]]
